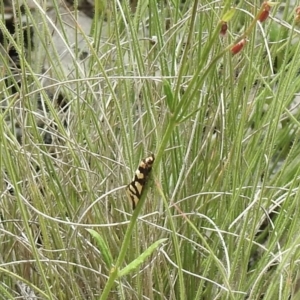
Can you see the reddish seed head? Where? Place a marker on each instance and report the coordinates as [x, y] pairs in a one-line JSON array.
[[238, 47], [263, 16], [224, 28]]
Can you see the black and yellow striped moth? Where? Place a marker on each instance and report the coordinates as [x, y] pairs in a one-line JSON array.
[[135, 189]]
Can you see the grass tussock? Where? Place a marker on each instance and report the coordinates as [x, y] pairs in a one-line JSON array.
[[84, 100]]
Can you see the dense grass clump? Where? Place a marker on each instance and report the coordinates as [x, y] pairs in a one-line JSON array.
[[208, 89]]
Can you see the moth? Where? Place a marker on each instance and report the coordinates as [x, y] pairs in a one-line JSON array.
[[135, 188]]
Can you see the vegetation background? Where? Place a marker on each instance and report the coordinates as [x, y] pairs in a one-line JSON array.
[[85, 96]]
